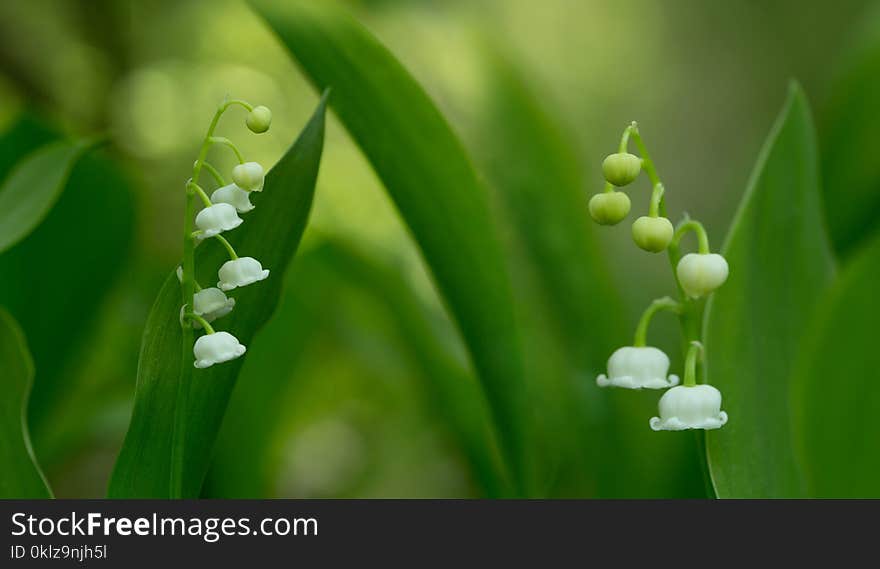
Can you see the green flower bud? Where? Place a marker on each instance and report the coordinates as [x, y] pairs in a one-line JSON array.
[[259, 119], [609, 208], [701, 273], [621, 169], [652, 233]]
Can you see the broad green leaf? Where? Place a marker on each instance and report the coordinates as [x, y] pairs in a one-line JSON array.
[[271, 234], [25, 135], [430, 178], [245, 465], [780, 263], [835, 395], [20, 476], [533, 165], [849, 127], [449, 391], [58, 277], [33, 187]]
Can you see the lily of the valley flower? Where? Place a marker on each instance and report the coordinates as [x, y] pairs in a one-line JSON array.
[[216, 348], [690, 407], [638, 368], [240, 272], [234, 196], [248, 176], [701, 273], [216, 219], [212, 303]]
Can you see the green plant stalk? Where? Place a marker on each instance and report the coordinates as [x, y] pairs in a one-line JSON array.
[[658, 305], [690, 314], [691, 311], [178, 436]]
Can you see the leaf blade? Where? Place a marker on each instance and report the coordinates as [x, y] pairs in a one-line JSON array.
[[430, 178], [780, 262], [33, 187], [835, 395], [21, 477]]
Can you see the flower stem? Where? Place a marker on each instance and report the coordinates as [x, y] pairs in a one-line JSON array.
[[225, 141], [201, 193], [647, 163], [690, 363], [656, 306], [207, 326], [697, 227], [178, 435], [656, 199], [228, 245], [218, 177]]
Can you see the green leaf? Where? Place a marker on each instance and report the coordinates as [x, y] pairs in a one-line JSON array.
[[431, 180], [835, 395], [32, 188], [531, 161], [780, 263], [21, 476], [82, 244], [271, 234], [25, 135], [245, 464], [849, 126]]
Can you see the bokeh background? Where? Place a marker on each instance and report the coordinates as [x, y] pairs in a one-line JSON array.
[[346, 412]]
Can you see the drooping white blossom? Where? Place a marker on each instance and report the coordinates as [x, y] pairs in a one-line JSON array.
[[216, 219], [690, 407], [638, 368], [240, 272], [234, 196], [212, 303], [216, 348], [701, 273], [248, 176]]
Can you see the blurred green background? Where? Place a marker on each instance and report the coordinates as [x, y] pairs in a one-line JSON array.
[[343, 410]]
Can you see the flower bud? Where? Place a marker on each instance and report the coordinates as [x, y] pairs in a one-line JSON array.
[[234, 196], [621, 169], [701, 273], [259, 119], [248, 176], [637, 368], [240, 272], [609, 208], [690, 407], [652, 233], [216, 348], [216, 219]]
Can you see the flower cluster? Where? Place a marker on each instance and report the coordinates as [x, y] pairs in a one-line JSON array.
[[220, 214], [697, 275]]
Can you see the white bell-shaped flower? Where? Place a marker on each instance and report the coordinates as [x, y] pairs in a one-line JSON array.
[[701, 273], [248, 176], [216, 219], [638, 368], [240, 272], [234, 196], [216, 348], [690, 407], [212, 303]]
